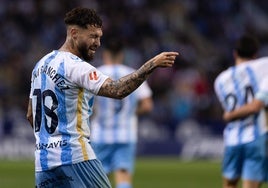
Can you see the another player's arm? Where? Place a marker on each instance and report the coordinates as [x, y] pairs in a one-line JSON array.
[[124, 86], [144, 106], [30, 113], [248, 109]]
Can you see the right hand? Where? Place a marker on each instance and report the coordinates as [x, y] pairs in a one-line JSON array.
[[165, 59]]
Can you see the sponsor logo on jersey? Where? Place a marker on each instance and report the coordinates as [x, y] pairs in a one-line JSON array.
[[45, 146], [93, 76]]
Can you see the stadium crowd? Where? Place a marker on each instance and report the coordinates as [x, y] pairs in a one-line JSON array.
[[202, 31]]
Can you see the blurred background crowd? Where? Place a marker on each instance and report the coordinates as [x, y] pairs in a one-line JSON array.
[[186, 119]]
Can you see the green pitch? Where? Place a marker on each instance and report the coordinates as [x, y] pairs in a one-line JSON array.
[[150, 172]]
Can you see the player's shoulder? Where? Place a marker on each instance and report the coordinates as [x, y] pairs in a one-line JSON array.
[[72, 61], [45, 58], [225, 73], [259, 64], [262, 61], [49, 55], [70, 57]]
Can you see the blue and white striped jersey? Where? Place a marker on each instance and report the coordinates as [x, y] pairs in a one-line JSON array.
[[115, 121], [262, 94], [235, 87], [62, 92]]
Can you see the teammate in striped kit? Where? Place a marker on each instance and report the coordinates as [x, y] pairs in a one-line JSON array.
[[114, 123], [257, 106], [63, 86], [245, 138]]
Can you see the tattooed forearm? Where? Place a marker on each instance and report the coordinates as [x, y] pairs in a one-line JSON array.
[[127, 84], [124, 86]]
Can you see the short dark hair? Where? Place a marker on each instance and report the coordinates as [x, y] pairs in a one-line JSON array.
[[247, 46], [83, 17]]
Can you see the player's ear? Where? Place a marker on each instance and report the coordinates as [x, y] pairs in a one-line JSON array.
[[73, 32]]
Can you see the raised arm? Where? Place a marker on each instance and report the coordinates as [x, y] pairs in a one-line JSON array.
[[124, 86]]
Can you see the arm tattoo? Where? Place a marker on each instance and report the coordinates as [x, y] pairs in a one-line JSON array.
[[127, 84]]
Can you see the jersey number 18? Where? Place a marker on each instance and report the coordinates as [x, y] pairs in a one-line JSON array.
[[43, 98]]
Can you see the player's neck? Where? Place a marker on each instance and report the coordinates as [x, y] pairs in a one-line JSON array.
[[240, 60], [67, 47]]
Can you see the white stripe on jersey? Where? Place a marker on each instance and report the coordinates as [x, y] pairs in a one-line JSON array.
[[115, 121], [235, 87], [62, 92], [262, 94]]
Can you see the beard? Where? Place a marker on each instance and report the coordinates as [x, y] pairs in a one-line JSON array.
[[83, 50]]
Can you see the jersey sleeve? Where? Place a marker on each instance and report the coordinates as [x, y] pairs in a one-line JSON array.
[[87, 76], [144, 91]]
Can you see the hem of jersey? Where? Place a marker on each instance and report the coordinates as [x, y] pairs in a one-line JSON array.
[[39, 169]]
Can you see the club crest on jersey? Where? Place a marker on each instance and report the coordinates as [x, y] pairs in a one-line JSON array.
[[93, 76]]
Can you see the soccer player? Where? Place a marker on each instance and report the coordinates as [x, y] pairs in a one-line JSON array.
[[244, 139], [114, 123], [257, 107], [63, 86]]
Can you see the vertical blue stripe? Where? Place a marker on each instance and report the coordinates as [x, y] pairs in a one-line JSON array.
[[236, 88], [253, 80], [90, 104], [254, 84], [43, 134], [66, 154]]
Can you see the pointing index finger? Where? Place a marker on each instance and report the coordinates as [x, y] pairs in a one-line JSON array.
[[172, 53]]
